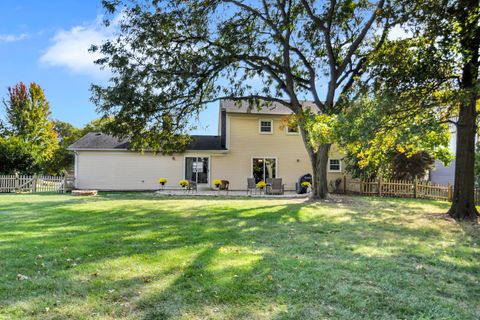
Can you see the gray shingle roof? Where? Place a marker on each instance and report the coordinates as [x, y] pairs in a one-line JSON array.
[[101, 141], [232, 106]]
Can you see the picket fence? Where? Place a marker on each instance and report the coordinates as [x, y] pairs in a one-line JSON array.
[[35, 183], [406, 189], [401, 189]]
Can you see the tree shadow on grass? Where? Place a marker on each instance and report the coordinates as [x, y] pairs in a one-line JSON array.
[[231, 259]]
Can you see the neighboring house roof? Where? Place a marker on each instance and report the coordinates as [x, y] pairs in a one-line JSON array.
[[243, 106], [101, 141]]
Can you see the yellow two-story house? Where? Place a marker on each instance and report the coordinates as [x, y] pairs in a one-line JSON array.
[[251, 143]]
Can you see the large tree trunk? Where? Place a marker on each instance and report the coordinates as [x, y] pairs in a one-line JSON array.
[[463, 204], [319, 162]]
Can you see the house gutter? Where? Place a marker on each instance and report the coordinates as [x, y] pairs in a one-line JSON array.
[[126, 150]]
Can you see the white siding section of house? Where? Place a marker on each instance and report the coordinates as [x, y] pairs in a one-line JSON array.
[[446, 174], [107, 170], [125, 170], [442, 174]]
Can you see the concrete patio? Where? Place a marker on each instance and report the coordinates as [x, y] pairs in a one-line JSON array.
[[233, 193]]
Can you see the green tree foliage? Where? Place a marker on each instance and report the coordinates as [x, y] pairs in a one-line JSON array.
[[97, 125], [172, 57], [16, 156], [375, 140], [63, 159], [411, 167], [437, 69], [28, 131]]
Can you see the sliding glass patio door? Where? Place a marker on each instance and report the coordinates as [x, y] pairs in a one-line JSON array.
[[264, 168], [197, 169]]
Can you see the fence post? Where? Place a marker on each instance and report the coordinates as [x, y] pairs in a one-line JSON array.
[[16, 183], [64, 183], [415, 185], [34, 183], [380, 185], [361, 186], [450, 192], [344, 184]]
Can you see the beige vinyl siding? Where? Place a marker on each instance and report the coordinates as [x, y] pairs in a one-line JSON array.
[[246, 142], [124, 170]]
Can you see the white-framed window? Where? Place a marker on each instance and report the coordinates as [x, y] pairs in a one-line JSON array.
[[265, 126], [292, 129], [334, 165]]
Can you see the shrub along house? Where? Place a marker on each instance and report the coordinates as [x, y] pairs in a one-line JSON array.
[[251, 144]]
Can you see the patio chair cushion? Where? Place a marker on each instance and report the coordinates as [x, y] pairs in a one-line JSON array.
[[275, 186]]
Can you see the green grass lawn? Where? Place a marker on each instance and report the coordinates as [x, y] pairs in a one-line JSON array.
[[137, 256]]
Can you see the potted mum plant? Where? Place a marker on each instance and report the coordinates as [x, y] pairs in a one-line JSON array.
[[217, 183], [162, 182], [184, 184], [261, 185]]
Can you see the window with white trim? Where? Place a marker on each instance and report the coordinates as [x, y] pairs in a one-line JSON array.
[[334, 165], [293, 129], [266, 126]]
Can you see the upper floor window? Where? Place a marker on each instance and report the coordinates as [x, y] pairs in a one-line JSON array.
[[293, 129], [334, 165], [266, 126]]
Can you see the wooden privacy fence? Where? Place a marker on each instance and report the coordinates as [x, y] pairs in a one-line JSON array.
[[35, 183]]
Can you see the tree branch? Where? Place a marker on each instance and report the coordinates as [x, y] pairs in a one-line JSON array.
[[360, 37]]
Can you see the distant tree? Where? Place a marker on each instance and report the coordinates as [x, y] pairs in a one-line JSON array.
[[63, 159], [28, 126], [97, 125], [411, 167], [172, 57], [66, 132], [16, 156], [397, 165]]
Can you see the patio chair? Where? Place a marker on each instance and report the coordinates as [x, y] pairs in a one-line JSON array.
[[224, 185], [275, 186], [251, 186], [192, 186]]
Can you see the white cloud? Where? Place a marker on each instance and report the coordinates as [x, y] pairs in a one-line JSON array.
[[12, 37], [69, 49]]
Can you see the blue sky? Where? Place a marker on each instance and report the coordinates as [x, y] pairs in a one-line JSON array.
[[46, 42]]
